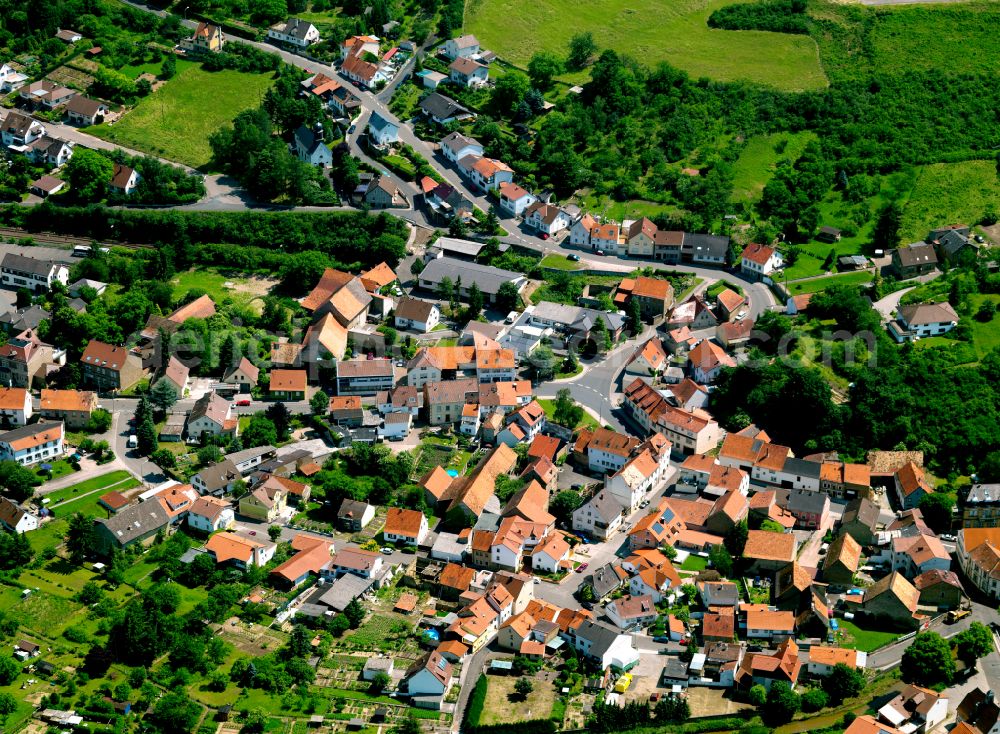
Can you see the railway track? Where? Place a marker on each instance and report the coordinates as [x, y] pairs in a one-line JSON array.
[[50, 239]]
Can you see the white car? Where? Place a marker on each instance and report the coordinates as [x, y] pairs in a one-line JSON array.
[[741, 315]]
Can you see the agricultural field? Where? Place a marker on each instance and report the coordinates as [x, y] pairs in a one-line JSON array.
[[651, 32], [175, 121]]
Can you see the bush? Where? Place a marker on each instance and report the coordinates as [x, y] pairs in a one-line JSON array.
[[780, 16]]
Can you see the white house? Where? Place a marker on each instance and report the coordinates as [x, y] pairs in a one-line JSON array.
[[294, 32], [551, 555], [489, 173], [15, 406], [760, 261], [414, 314], [20, 129], [16, 519], [606, 237], [579, 233], [464, 46], [514, 199], [381, 131], [467, 72], [124, 179], [430, 676], [823, 658], [456, 146], [921, 320], [604, 645], [915, 710], [210, 514], [631, 612], [546, 218], [211, 415], [601, 517], [18, 271], [395, 426], [641, 473], [11, 79], [608, 451], [32, 444], [407, 526], [310, 148]]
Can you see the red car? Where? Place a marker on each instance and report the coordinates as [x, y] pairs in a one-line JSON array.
[[244, 403], [582, 567]]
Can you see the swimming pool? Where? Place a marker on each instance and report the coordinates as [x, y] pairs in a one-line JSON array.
[[451, 472], [432, 634]]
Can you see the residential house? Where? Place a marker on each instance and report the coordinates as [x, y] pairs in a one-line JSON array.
[[357, 562], [978, 713], [730, 303], [522, 425], [655, 582], [68, 36], [358, 46], [716, 627], [605, 237], [244, 375], [72, 407], [768, 552], [210, 514], [978, 552], [382, 193], [488, 279], [823, 658], [574, 325], [922, 320], [207, 38], [428, 680], [913, 260], [706, 360], [579, 233], [760, 261], [546, 218], [294, 32], [402, 399], [954, 243], [552, 555], [861, 520], [603, 645], [313, 556], [655, 296], [487, 173], [915, 710], [642, 473], [288, 385], [417, 315], [20, 129], [365, 376], [515, 200], [600, 517], [354, 515], [768, 624], [456, 146], [382, 131], [766, 668], [176, 374], [11, 79], [395, 426], [811, 509], [657, 529], [467, 72], [124, 179], [445, 401], [266, 503], [46, 186], [212, 415], [434, 364], [217, 479], [310, 148], [843, 558], [981, 508], [632, 612], [15, 406], [85, 111], [496, 365], [444, 110], [844, 481], [474, 493], [690, 431], [405, 526], [240, 551], [648, 359], [462, 47], [15, 519], [640, 236], [136, 524], [940, 589], [109, 368], [916, 554], [19, 271], [911, 485], [892, 599]]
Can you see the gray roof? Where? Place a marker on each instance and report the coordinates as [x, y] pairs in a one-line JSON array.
[[464, 247], [489, 279], [675, 669], [135, 521], [601, 636], [308, 139], [26, 431], [951, 241], [805, 500], [13, 261], [238, 457], [295, 28], [605, 505], [983, 493], [441, 107], [379, 123], [604, 580], [706, 244], [218, 476], [721, 594], [862, 510], [802, 468], [577, 317], [456, 141], [918, 253], [344, 590], [28, 318], [354, 508]]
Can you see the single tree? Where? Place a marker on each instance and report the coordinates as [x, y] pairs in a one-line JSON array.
[[581, 50], [355, 613], [319, 403], [475, 302], [380, 681], [163, 395], [843, 682], [974, 643], [721, 560], [274, 532], [781, 705], [757, 695], [523, 687], [81, 539], [928, 661], [280, 416], [164, 458], [543, 67]]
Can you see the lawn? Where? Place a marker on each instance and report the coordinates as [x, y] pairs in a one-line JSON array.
[[549, 406], [175, 121], [759, 159], [60, 468], [559, 262], [220, 285], [503, 706], [88, 485], [713, 291], [632, 209], [815, 285], [985, 336], [949, 193], [651, 31], [694, 563], [133, 71], [861, 639]]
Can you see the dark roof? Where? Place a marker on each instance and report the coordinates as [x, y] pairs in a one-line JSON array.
[[862, 510], [806, 500], [919, 253], [24, 264], [135, 521], [601, 636], [441, 107], [706, 244]]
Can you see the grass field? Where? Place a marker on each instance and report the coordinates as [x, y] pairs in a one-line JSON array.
[[223, 285], [651, 32], [950, 193], [819, 284], [632, 209], [549, 406], [176, 120], [134, 71], [694, 563], [759, 160], [863, 639], [558, 262], [503, 706]]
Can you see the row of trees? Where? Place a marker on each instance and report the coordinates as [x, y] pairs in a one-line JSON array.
[[89, 174]]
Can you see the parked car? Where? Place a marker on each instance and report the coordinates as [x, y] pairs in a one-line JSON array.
[[601, 253], [543, 236], [582, 567], [573, 258], [387, 551], [243, 403]]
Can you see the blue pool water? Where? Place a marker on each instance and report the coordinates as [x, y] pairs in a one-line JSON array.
[[451, 472], [432, 634]]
